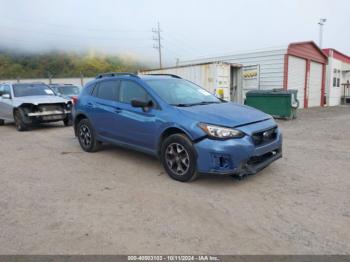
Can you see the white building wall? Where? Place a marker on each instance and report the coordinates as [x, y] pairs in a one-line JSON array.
[[334, 92], [271, 65], [329, 79]]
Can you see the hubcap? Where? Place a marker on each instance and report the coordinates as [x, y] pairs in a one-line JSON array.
[[177, 159], [85, 135]]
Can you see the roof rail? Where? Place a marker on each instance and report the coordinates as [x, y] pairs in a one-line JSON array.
[[59, 84], [116, 74], [171, 75]]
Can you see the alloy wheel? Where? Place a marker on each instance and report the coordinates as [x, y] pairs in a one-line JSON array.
[[85, 135], [177, 158]]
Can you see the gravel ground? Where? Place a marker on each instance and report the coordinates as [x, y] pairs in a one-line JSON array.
[[55, 199]]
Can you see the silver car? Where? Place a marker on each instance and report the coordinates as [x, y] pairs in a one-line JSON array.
[[31, 103]]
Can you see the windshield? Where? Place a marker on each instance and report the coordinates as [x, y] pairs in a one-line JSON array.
[[180, 92], [20, 90], [67, 90]]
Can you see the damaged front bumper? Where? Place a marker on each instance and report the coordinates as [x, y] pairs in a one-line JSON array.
[[255, 164], [46, 116], [48, 113], [239, 157]]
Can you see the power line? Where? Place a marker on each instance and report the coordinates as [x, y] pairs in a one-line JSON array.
[[157, 38]]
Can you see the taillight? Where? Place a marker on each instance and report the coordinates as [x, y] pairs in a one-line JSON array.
[[74, 99]]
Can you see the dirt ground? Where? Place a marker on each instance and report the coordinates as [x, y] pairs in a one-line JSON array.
[[55, 199]]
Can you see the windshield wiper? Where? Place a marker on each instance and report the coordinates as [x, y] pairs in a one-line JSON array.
[[205, 103], [181, 105], [196, 104]]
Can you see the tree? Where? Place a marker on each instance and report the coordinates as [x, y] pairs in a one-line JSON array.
[[59, 64]]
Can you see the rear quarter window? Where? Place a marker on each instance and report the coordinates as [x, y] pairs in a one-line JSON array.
[[89, 89]]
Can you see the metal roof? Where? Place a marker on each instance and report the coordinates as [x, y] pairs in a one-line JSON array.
[[193, 64]]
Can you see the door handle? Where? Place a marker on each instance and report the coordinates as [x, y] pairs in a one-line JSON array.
[[117, 110], [91, 105]]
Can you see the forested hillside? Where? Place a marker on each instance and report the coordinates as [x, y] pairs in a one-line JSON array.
[[58, 64]]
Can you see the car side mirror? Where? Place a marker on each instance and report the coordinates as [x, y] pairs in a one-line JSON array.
[[6, 96], [145, 105]]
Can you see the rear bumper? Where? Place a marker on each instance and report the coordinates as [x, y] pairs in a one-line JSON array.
[[236, 156]]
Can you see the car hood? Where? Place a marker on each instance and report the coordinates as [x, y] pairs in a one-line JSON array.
[[224, 114], [35, 100], [69, 96]]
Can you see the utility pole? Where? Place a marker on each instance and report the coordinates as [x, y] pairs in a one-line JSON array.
[[321, 23], [157, 38], [49, 74]]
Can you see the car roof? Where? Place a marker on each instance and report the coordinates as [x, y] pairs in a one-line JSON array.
[[142, 77], [29, 83], [146, 77]]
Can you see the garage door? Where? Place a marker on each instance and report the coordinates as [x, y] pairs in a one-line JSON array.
[[296, 77], [315, 84]]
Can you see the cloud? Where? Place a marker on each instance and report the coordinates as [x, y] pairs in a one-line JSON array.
[[189, 28]]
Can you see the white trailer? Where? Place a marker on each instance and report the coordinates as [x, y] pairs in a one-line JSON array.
[[221, 79]]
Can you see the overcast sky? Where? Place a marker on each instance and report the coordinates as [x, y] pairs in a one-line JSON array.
[[190, 28]]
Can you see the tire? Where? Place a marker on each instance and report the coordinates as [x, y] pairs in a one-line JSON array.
[[2, 122], [68, 121], [86, 136], [18, 117], [178, 158]]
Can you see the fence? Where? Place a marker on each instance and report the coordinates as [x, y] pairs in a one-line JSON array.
[[80, 81]]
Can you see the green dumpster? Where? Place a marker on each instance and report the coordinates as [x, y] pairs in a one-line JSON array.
[[277, 102]]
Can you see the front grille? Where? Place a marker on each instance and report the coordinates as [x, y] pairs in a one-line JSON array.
[[50, 107], [265, 136], [259, 159]]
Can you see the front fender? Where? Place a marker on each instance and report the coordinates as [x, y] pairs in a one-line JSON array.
[[193, 132], [77, 117]]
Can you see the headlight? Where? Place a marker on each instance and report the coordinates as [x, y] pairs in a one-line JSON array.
[[220, 132]]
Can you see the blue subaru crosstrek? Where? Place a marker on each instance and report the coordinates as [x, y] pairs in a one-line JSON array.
[[188, 128]]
